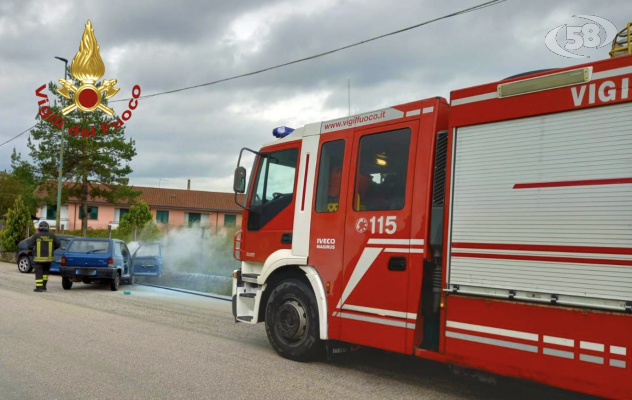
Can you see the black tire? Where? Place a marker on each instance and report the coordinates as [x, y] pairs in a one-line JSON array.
[[292, 321], [115, 282], [66, 283], [24, 265]]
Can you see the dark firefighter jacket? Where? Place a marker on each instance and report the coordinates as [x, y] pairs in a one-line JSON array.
[[42, 245]]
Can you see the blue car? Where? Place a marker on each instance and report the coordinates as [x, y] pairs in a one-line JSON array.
[[91, 260]]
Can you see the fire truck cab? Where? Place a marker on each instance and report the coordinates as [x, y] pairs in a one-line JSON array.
[[341, 209], [493, 231]]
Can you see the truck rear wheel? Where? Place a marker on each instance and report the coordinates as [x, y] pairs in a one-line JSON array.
[[292, 321]]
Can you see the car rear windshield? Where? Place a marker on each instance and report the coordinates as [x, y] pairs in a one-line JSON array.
[[89, 247], [148, 250]]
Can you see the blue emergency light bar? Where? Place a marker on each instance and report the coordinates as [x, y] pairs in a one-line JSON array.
[[282, 131]]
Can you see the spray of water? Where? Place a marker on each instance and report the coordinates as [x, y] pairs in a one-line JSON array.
[[194, 258]]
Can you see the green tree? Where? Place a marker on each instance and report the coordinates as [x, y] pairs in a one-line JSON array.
[[25, 174], [94, 167], [18, 219], [10, 189], [138, 216]]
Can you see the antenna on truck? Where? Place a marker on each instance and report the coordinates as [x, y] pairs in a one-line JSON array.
[[622, 43], [349, 94]]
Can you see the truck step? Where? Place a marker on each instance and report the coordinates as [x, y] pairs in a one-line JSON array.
[[248, 295], [251, 276], [245, 318]]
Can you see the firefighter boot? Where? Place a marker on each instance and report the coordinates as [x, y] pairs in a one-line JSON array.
[[45, 282], [38, 289], [39, 283]]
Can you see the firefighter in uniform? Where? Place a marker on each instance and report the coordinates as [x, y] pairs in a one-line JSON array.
[[42, 245]]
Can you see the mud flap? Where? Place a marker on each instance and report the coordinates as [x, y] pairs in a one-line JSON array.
[[234, 306], [337, 350]]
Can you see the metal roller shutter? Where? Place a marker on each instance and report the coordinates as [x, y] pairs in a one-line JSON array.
[[543, 206]]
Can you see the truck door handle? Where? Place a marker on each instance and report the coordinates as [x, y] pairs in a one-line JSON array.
[[286, 238], [397, 264]]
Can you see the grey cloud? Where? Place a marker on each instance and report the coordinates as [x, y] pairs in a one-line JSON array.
[[197, 134]]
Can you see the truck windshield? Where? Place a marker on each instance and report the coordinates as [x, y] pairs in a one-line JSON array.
[[89, 247], [281, 170]]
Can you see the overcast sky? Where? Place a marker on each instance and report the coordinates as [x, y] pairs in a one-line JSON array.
[[197, 134]]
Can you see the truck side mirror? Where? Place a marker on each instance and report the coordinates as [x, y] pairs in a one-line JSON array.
[[239, 181]]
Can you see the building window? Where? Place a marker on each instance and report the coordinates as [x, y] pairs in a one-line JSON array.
[[122, 211], [381, 174], [194, 219], [162, 217], [230, 221], [329, 172], [51, 212], [93, 212]]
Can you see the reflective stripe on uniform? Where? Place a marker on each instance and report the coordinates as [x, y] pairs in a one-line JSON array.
[[45, 277], [44, 249]]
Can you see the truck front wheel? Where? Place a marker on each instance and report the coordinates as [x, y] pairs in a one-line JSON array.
[[292, 321]]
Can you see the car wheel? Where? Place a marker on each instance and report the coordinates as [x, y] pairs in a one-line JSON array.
[[115, 282], [24, 265], [292, 321], [66, 283]]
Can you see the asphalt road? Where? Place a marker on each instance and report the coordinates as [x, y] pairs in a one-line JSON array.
[[91, 343]]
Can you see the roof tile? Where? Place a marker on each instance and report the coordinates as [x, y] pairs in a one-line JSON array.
[[176, 198]]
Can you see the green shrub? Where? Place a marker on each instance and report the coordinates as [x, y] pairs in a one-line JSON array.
[[138, 216], [18, 218]]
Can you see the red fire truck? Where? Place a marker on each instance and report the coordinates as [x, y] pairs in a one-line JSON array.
[[493, 231]]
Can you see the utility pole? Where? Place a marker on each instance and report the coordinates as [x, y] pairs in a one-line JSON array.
[[61, 153]]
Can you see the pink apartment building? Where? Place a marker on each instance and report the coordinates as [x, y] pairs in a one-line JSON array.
[[176, 207]]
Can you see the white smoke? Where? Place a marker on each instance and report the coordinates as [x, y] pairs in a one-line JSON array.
[[195, 250]]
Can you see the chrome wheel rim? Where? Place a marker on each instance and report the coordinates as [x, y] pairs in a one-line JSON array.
[[291, 321], [23, 264]]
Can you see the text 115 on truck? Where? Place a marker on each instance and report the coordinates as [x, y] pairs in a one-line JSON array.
[[493, 231]]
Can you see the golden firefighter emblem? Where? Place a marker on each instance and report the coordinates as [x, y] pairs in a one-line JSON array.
[[88, 67]]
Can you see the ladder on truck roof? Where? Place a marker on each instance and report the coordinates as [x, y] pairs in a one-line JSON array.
[[622, 43]]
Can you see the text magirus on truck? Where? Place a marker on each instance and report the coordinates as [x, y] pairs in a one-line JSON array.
[[492, 231]]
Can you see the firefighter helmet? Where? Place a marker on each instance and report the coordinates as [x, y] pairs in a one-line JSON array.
[[43, 226]]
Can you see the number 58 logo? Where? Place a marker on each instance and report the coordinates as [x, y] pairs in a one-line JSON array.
[[581, 36]]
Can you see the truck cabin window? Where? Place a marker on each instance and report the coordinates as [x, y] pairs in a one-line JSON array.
[[381, 172], [274, 186], [329, 172]]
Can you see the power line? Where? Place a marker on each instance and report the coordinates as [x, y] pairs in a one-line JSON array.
[[17, 136], [464, 11], [461, 12]]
